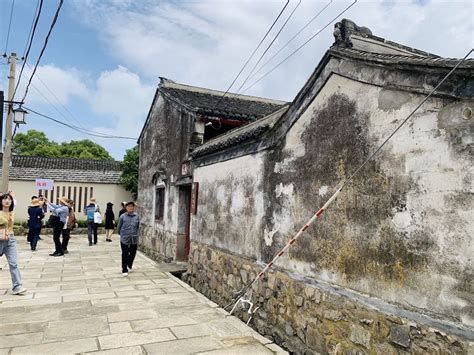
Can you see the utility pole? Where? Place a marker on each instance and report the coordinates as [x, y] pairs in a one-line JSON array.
[[7, 153]]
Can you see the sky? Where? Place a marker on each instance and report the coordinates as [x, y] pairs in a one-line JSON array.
[[104, 58]]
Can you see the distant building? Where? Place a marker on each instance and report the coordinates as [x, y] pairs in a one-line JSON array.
[[77, 179]]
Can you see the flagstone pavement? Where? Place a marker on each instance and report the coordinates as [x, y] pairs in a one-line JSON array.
[[80, 303]]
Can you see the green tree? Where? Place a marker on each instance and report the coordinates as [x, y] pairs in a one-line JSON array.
[[84, 149], [129, 177], [35, 143]]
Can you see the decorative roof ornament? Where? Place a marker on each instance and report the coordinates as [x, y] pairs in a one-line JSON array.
[[344, 29]]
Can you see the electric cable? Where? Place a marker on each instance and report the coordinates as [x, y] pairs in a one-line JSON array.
[[79, 129], [301, 46], [292, 38], [44, 47], [240, 294], [9, 27], [253, 53], [57, 100], [269, 46], [31, 27], [28, 44]]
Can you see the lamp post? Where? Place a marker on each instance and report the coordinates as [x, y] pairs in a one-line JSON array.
[[7, 153]]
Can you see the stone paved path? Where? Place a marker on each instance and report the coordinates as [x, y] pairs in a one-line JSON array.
[[81, 303]]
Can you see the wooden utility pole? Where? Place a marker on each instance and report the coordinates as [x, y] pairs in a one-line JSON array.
[[7, 153]]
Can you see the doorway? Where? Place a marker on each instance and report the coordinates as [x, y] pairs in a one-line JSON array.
[[184, 223]]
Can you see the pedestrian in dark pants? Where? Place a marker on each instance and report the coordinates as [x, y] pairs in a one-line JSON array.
[[35, 221], [59, 216], [70, 225], [109, 222], [30, 231], [90, 211], [128, 229]]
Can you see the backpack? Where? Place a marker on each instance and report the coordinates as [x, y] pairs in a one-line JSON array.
[[90, 213]]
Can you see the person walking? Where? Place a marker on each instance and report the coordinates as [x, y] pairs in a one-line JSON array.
[[59, 215], [123, 209], [90, 211], [8, 241], [128, 225], [109, 222], [28, 236], [70, 225], [35, 222]]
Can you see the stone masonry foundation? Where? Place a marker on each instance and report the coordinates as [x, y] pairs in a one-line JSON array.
[[305, 317]]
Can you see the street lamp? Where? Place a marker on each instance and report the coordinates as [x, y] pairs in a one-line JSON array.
[[19, 116]]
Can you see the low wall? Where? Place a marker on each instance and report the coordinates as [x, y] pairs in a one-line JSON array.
[[306, 316], [22, 231]]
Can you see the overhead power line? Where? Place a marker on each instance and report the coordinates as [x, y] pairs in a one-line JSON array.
[[253, 53], [300, 47], [79, 129], [9, 27], [44, 47], [29, 42], [292, 38], [269, 46], [31, 27]]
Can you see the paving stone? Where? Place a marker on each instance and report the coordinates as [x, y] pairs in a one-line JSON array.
[[132, 350], [135, 338], [30, 302], [9, 341], [18, 328], [76, 346], [161, 322], [121, 327], [131, 315], [155, 291], [79, 291], [184, 346], [87, 312], [76, 329], [245, 349], [191, 331], [92, 308]]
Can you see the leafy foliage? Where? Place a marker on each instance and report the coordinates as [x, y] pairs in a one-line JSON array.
[[35, 143], [129, 177]]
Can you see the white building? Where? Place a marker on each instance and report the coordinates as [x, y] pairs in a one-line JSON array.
[[77, 179]]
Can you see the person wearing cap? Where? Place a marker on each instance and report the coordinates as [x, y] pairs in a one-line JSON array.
[[60, 213], [109, 222], [35, 221], [127, 227], [90, 211]]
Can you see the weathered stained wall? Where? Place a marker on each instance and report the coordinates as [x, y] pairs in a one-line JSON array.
[[230, 205], [401, 231], [163, 147]]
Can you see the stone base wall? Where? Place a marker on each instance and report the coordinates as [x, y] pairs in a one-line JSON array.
[[158, 245], [22, 231], [304, 317]]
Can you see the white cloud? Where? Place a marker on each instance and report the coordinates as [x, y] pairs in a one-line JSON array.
[[205, 43], [64, 83]]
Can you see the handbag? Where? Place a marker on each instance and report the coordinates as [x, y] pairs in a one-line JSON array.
[[97, 217], [52, 221]]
